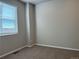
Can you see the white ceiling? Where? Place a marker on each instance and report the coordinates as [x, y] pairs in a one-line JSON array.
[[34, 1]]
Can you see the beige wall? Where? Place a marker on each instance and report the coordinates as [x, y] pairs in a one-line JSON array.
[[58, 23], [12, 42], [31, 24]]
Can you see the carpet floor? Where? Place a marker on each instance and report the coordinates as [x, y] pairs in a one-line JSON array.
[[39, 52]]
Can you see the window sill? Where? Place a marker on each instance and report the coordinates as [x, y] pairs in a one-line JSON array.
[[7, 34]]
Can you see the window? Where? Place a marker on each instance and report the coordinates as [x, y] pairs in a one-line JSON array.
[[8, 19]]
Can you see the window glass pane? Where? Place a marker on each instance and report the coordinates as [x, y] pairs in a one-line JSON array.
[[7, 23], [8, 12], [8, 26]]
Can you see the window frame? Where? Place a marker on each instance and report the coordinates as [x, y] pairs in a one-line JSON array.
[[16, 21]]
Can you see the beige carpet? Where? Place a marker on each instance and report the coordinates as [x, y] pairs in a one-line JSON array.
[[38, 52]]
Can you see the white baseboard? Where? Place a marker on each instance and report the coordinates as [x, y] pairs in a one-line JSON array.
[[13, 51], [31, 45], [58, 47]]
